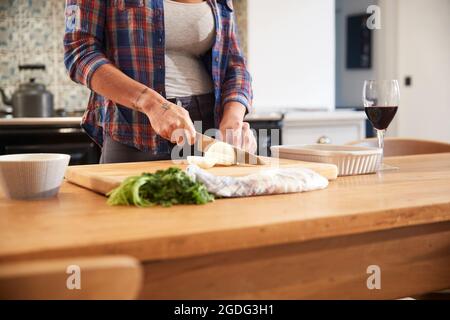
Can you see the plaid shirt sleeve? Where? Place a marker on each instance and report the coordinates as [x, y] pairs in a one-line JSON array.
[[237, 84], [83, 39]]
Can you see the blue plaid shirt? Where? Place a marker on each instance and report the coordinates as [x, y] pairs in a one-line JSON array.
[[130, 35]]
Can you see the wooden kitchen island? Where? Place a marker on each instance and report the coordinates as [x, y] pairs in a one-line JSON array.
[[309, 245]]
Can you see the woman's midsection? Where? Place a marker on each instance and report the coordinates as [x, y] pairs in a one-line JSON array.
[[186, 75]]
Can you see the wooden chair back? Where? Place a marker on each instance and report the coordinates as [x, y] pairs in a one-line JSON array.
[[108, 277], [403, 146]]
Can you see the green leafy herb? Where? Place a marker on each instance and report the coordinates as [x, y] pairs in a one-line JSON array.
[[164, 187]]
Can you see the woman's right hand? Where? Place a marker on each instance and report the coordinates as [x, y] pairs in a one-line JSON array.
[[167, 119], [170, 121]]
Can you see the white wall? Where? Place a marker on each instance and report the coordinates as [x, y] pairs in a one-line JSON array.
[[291, 53], [349, 83], [415, 41], [386, 49], [424, 54]]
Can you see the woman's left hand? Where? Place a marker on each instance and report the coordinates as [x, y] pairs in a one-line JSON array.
[[234, 130]]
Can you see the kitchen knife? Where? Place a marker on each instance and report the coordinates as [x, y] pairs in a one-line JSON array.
[[242, 157]]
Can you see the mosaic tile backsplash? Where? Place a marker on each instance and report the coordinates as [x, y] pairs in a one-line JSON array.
[[31, 32]]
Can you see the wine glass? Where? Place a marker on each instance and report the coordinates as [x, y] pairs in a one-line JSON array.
[[381, 100]]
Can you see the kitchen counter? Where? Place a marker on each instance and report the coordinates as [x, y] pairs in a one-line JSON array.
[[40, 121], [271, 116], [324, 116], [308, 245], [257, 116], [264, 116]]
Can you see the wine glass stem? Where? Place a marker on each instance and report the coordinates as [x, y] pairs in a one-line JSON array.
[[380, 135]]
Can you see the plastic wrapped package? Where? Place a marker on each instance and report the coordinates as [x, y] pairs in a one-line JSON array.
[[269, 181]]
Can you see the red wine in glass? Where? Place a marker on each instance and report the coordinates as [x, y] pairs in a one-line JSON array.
[[381, 117], [381, 99]]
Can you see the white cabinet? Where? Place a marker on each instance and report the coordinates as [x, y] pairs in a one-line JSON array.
[[339, 127]]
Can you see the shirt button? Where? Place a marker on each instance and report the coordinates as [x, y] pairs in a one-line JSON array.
[[160, 40], [216, 59]]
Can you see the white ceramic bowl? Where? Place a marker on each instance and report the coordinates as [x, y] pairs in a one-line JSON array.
[[350, 160], [32, 175]]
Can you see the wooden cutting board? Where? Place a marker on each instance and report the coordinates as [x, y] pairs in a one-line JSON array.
[[102, 178]]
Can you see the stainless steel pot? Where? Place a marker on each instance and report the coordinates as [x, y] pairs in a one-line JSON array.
[[31, 99]]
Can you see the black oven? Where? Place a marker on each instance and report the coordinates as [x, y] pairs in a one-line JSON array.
[[49, 138], [268, 132]]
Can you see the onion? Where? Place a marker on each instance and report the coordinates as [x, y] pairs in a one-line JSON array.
[[202, 162], [223, 153]]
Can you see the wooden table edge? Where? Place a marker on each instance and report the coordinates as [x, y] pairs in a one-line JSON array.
[[199, 244]]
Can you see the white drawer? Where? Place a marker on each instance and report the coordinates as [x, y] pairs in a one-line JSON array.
[[335, 134]]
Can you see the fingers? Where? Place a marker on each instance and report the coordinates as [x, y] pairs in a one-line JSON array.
[[178, 126], [183, 134], [240, 135], [189, 131], [188, 127], [248, 138], [171, 130], [232, 134]]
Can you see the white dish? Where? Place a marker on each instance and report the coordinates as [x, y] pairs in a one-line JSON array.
[[32, 175], [350, 160]]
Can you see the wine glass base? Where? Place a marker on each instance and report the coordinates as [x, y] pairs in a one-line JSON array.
[[385, 167]]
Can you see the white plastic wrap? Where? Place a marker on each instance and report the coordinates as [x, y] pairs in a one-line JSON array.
[[270, 181]]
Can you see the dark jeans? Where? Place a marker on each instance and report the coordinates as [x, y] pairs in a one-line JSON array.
[[200, 108]]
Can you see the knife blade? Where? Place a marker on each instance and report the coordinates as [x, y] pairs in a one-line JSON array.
[[241, 156]]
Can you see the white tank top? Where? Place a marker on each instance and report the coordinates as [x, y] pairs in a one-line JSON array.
[[190, 33]]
